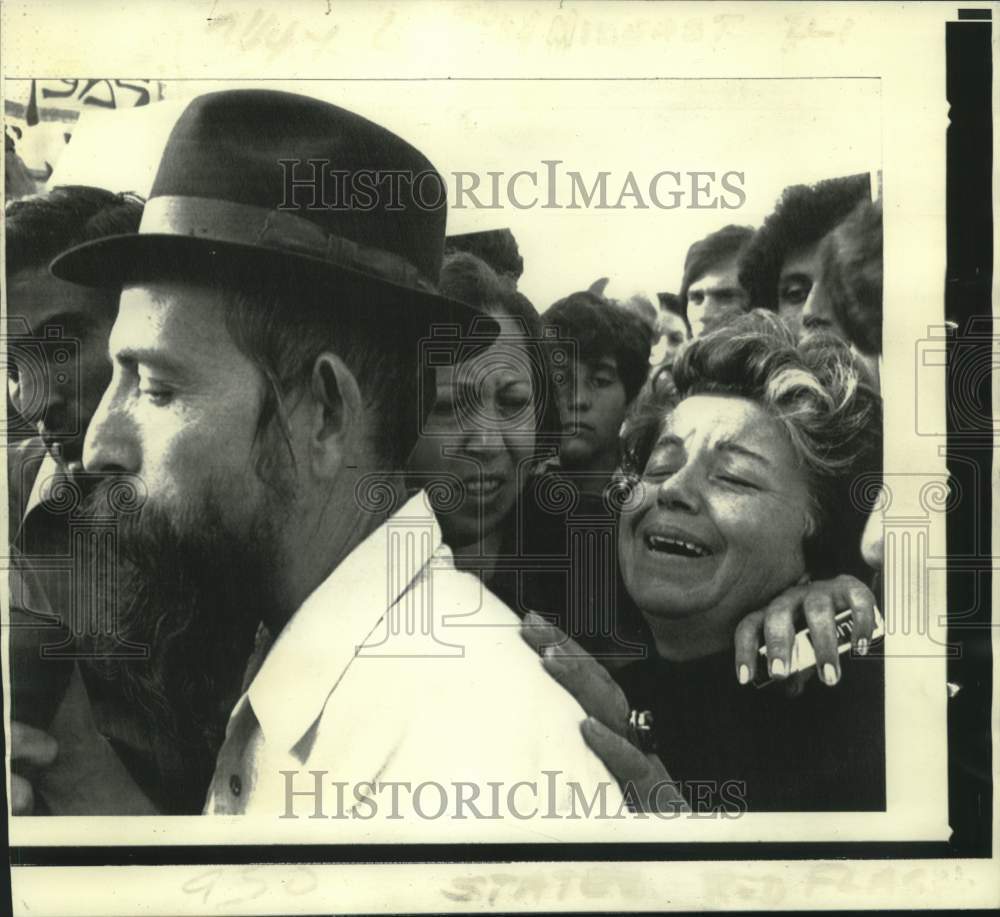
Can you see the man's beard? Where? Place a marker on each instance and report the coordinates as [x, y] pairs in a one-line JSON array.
[[193, 587]]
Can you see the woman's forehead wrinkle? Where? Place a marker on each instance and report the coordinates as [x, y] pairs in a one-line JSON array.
[[739, 432]]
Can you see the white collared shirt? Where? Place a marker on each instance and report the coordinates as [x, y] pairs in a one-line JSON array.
[[399, 668]]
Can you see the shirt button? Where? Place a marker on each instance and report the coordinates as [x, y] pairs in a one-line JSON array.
[[235, 784]]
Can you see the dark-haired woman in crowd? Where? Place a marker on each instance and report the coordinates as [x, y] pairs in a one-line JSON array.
[[480, 442], [494, 423]]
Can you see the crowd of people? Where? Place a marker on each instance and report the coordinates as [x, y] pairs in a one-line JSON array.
[[655, 497]]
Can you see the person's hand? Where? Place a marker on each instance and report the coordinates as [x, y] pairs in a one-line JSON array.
[[643, 779], [817, 604], [31, 750]]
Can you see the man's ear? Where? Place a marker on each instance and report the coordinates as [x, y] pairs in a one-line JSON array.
[[336, 415]]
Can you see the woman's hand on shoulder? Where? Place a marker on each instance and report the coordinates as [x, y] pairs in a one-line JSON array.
[[642, 777], [816, 606]]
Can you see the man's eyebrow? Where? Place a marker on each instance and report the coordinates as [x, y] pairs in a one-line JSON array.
[[798, 276], [155, 359], [607, 363]]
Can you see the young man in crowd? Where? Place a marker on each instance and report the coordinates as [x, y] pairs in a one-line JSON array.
[[610, 348], [258, 397], [782, 262], [600, 362], [711, 292], [57, 332], [846, 300]]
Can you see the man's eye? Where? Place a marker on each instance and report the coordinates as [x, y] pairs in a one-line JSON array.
[[795, 295], [155, 393], [676, 339], [601, 381], [696, 299], [159, 397], [13, 373]]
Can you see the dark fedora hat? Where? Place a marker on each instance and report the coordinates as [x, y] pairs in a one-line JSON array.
[[276, 180]]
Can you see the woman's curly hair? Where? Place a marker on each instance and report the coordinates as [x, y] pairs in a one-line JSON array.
[[816, 391]]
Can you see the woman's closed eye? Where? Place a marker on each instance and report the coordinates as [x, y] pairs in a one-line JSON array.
[[661, 467], [737, 479], [658, 472]]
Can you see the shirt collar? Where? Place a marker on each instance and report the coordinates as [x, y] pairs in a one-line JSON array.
[[319, 641]]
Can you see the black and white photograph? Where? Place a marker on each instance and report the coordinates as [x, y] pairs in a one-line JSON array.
[[498, 457]]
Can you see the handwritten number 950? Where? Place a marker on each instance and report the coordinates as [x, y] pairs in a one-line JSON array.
[[228, 886]]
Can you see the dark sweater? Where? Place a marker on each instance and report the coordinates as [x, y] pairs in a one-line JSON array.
[[821, 751]]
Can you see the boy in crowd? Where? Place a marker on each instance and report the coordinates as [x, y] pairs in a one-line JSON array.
[[610, 365]]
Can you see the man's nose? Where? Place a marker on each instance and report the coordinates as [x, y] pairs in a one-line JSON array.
[[578, 395], [680, 491], [111, 443], [817, 306]]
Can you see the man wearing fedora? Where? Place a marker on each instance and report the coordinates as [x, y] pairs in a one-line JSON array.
[[266, 390]]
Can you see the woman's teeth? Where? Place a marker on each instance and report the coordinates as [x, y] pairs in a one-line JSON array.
[[675, 546]]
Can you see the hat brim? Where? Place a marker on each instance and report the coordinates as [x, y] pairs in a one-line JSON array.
[[115, 261]]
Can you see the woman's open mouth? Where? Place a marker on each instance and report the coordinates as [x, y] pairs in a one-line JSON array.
[[678, 547]]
